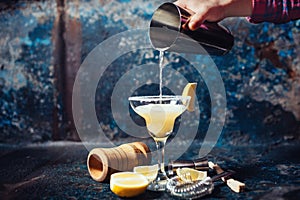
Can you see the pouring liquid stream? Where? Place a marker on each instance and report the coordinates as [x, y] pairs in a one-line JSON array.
[[161, 60]]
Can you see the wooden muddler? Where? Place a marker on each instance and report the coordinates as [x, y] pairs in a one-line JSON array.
[[102, 162], [233, 184]]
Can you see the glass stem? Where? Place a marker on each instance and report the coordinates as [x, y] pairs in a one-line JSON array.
[[160, 144]]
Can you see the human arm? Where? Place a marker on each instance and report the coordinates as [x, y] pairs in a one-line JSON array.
[[276, 11]]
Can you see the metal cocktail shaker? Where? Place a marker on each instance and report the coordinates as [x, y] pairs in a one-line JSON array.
[[168, 31]]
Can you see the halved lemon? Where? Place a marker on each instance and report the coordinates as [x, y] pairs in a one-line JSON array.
[[150, 171], [128, 184], [190, 90], [189, 174]]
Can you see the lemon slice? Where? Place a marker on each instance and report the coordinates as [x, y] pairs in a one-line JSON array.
[[128, 184], [188, 174], [150, 172], [190, 90]]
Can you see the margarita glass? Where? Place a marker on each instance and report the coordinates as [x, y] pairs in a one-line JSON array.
[[160, 113]]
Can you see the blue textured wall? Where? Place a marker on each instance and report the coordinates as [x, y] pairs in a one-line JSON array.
[[261, 73]]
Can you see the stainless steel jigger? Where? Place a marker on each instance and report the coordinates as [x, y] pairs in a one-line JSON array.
[[169, 31]]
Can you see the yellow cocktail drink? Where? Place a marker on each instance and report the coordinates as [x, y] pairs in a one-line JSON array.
[[160, 118]]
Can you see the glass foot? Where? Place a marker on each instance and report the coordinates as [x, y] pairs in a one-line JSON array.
[[159, 184]]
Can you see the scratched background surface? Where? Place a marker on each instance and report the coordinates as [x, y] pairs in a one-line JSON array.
[[43, 43]]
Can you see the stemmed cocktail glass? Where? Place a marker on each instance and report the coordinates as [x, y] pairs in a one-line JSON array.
[[159, 113]]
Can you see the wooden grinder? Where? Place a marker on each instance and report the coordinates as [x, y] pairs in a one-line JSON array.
[[102, 162]]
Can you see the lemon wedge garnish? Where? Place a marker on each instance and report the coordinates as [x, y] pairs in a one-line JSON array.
[[190, 90], [188, 174], [128, 184], [150, 172]]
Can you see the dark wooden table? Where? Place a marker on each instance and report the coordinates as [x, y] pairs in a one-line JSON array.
[[58, 171]]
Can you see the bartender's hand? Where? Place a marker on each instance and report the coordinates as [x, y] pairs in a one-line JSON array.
[[214, 10]]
